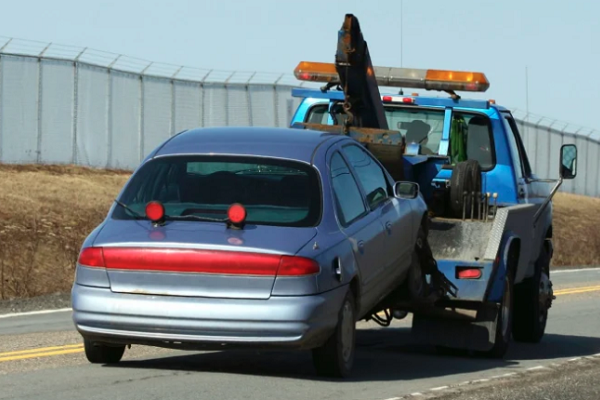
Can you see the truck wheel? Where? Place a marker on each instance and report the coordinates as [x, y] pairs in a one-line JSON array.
[[533, 298], [466, 177], [504, 320], [336, 356], [101, 353]]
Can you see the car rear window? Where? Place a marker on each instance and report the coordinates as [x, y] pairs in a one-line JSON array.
[[274, 192]]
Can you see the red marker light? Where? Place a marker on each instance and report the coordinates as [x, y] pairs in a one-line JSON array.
[[408, 100], [236, 213], [155, 211], [387, 98], [468, 273]]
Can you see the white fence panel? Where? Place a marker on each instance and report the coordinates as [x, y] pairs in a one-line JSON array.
[[125, 130], [188, 105], [92, 116], [156, 113], [19, 114], [57, 112]]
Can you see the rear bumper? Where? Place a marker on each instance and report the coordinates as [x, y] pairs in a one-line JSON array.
[[184, 322]]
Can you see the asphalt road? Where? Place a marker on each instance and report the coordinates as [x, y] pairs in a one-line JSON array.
[[41, 357]]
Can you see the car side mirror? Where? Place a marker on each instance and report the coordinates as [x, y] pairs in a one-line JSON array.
[[568, 161], [406, 190]]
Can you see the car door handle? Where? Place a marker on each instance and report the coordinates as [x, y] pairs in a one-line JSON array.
[[388, 227], [361, 246]]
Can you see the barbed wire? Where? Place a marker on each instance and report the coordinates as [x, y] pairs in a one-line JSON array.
[[120, 62], [543, 122]]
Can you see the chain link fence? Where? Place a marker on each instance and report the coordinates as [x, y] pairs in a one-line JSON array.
[[63, 104]]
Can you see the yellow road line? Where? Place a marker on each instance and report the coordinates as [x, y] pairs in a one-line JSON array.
[[577, 290], [78, 348], [40, 350], [36, 355]]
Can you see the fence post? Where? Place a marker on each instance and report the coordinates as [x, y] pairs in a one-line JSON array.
[[276, 100], [203, 98], [226, 86], [249, 98]]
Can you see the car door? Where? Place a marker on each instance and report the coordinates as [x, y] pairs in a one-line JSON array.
[[362, 227], [395, 214]]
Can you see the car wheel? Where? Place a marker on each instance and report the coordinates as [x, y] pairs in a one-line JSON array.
[[97, 353], [336, 357], [504, 320], [533, 298]]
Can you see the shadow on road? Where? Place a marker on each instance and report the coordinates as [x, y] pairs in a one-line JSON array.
[[382, 355]]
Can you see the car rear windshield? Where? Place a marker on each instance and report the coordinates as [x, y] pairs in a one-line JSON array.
[[274, 192]]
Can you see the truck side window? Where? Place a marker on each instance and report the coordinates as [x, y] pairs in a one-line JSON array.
[[349, 200], [512, 129], [318, 114], [370, 175], [471, 139]]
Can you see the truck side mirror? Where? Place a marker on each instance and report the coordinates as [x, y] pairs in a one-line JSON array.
[[406, 190], [568, 161]]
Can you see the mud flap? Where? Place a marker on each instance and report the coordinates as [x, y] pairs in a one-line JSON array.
[[476, 335]]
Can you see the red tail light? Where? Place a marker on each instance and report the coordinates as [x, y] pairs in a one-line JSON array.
[[297, 266], [91, 257], [197, 261], [468, 273]]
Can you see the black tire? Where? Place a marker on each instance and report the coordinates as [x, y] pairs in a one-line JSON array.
[[416, 282], [97, 353], [459, 183], [532, 300], [466, 177], [336, 356], [504, 320]]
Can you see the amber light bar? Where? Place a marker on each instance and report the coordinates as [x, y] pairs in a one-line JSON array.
[[430, 79]]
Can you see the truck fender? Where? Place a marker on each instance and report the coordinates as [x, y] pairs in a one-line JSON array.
[[501, 266]]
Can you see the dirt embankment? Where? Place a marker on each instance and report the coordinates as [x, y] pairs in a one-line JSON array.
[[47, 211]]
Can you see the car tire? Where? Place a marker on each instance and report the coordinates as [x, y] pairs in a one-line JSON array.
[[504, 320], [532, 300], [336, 356], [416, 282], [97, 353]]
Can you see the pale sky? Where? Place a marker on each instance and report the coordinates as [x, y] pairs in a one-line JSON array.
[[559, 41]]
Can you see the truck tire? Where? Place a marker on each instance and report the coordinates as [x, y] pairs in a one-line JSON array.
[[336, 356], [533, 299], [101, 353], [466, 177]]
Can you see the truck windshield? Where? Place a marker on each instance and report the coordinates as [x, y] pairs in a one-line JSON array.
[[418, 125], [274, 191]]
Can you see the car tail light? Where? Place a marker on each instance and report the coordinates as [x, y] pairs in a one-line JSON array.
[[297, 266], [91, 257], [468, 273], [197, 261]]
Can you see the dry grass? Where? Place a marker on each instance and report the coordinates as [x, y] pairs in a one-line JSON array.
[[47, 211], [576, 230]]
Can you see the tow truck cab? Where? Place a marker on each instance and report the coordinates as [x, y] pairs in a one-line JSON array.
[[500, 224]]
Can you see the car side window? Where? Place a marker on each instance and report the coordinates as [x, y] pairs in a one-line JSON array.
[[349, 200], [369, 174]]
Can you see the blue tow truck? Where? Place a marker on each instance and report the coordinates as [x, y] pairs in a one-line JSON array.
[[490, 225]]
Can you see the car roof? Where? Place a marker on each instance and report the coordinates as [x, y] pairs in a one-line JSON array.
[[290, 143]]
